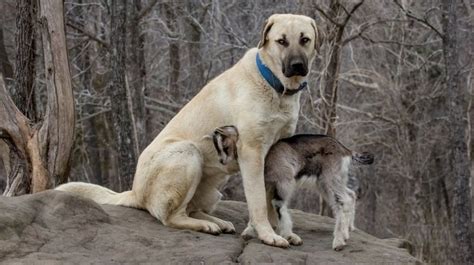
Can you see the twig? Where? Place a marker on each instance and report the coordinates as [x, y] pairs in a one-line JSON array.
[[368, 114], [145, 11], [356, 6], [88, 34], [168, 104], [422, 21], [160, 109], [320, 10]]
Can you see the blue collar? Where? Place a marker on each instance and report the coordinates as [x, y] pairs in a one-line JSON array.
[[274, 81]]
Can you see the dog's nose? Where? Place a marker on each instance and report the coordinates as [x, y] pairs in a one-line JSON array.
[[295, 66], [299, 68]]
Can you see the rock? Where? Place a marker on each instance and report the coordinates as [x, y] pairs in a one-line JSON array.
[[54, 227]]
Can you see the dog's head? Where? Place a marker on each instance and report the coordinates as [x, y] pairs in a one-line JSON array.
[[292, 42]]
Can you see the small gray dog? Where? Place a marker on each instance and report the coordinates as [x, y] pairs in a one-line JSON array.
[[304, 158]]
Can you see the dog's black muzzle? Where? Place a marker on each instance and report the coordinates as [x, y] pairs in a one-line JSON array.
[[295, 66]]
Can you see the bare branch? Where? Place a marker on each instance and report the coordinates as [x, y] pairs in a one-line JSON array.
[[368, 114], [349, 15], [161, 109], [13, 124], [145, 11], [160, 102], [325, 14], [89, 35], [423, 21], [367, 26]]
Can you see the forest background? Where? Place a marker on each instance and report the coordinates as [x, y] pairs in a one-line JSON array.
[[394, 77]]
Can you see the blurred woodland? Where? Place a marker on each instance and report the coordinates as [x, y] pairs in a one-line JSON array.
[[394, 77]]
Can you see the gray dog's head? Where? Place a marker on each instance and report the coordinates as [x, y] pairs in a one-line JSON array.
[[292, 42]]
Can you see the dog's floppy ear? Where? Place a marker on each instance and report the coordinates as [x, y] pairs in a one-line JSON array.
[[319, 34], [266, 28]]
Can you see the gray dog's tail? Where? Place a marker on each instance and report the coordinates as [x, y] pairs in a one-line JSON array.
[[365, 158]]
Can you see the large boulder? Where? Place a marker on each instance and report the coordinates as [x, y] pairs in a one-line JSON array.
[[54, 227]]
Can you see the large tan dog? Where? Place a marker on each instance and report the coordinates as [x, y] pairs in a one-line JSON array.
[[178, 173]]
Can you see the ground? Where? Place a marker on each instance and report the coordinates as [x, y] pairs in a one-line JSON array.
[[53, 227]]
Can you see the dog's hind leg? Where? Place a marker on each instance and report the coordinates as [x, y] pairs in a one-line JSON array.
[[171, 184], [205, 200]]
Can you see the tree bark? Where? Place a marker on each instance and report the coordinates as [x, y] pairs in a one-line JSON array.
[[171, 12], [6, 68], [42, 150], [459, 160], [331, 75], [138, 74], [23, 93], [57, 132], [122, 113], [193, 31]]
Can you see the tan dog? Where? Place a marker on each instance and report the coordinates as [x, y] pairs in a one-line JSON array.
[[178, 173]]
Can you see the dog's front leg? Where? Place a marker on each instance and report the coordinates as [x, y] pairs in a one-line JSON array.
[[251, 161]]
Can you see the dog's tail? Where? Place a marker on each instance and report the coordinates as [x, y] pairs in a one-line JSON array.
[[100, 194], [363, 158]]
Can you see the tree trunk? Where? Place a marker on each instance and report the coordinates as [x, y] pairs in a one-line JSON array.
[[138, 74], [459, 160], [6, 68], [122, 113], [192, 28], [331, 75], [23, 93], [171, 13], [329, 93], [42, 150]]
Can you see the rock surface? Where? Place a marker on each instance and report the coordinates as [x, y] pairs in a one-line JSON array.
[[53, 227]]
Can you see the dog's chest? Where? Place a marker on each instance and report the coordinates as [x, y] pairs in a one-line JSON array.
[[281, 116]]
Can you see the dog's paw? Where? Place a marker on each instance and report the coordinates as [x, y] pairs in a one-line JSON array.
[[227, 227], [294, 239], [338, 244], [274, 240], [249, 233], [211, 228]]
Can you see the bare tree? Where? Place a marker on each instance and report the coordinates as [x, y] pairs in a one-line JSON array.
[[458, 167], [338, 16], [138, 70], [23, 91], [43, 149], [172, 12], [122, 110], [6, 69]]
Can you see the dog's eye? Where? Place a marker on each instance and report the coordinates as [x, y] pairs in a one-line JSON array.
[[282, 42], [304, 40]]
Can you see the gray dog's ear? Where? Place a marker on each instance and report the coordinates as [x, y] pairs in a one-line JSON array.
[[320, 36], [267, 26]]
